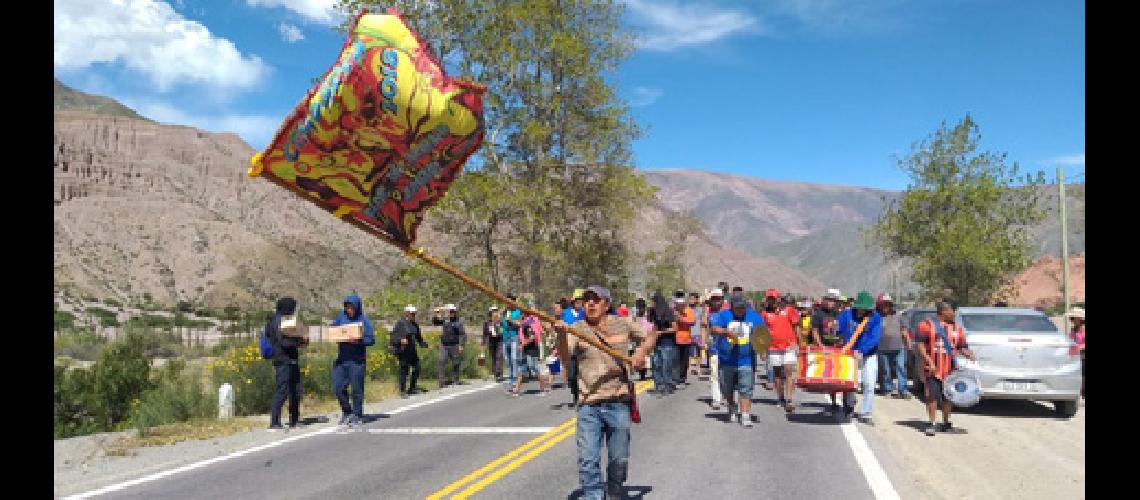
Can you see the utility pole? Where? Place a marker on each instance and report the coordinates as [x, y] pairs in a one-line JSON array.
[[1064, 246]]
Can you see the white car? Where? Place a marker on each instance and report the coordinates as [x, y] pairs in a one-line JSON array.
[[1021, 354]]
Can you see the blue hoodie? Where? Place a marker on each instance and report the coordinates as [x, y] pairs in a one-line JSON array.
[[348, 351], [868, 341]]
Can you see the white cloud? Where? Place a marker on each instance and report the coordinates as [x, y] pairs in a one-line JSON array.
[[257, 130], [841, 16], [290, 33], [1077, 160], [644, 96], [672, 26], [149, 37], [322, 11]]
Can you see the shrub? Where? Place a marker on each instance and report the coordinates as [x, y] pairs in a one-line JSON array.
[[177, 396], [106, 318], [80, 344], [77, 409], [251, 377], [316, 369], [122, 374], [64, 320]]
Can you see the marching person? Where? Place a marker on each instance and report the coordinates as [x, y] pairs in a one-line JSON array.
[[512, 319], [823, 326], [604, 407], [530, 337], [734, 329], [350, 362], [665, 355], [939, 340], [286, 371], [686, 317], [451, 341], [493, 341], [404, 339], [781, 323], [715, 303], [866, 349], [892, 349]]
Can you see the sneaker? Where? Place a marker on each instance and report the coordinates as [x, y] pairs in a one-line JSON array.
[[343, 420], [746, 420], [930, 430], [403, 395], [780, 402], [543, 393], [716, 405], [275, 428], [354, 421], [946, 427], [613, 492], [789, 407], [734, 418], [866, 420], [832, 409]]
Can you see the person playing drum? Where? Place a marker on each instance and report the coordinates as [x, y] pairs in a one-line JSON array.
[[933, 337]]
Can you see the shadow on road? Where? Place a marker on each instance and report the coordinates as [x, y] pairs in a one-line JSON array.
[[367, 419], [920, 426], [1010, 408], [322, 419], [626, 492], [720, 415], [819, 418]]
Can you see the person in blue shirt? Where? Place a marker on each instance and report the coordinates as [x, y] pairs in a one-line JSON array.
[[512, 320], [350, 362], [866, 348], [733, 329]]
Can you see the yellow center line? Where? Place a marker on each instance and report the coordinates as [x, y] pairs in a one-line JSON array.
[[499, 461], [539, 445]]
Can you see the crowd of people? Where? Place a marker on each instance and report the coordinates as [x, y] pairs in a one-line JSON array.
[[720, 334]]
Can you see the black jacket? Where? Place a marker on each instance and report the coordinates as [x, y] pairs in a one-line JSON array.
[[284, 348], [453, 333], [410, 330]]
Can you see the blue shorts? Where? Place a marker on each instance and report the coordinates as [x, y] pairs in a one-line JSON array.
[[737, 379]]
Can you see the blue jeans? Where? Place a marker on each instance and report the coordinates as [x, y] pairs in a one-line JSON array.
[[347, 372], [887, 361], [600, 423], [511, 357], [665, 357], [736, 379], [868, 371]]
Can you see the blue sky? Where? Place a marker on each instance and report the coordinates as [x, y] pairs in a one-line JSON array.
[[824, 91]]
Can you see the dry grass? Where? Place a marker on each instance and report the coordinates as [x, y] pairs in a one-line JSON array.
[[374, 391], [195, 429]]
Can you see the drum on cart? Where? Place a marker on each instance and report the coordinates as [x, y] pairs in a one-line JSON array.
[[827, 369]]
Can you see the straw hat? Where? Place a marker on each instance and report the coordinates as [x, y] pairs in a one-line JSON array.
[[1076, 312]]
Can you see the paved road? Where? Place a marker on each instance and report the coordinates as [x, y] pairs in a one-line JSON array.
[[681, 450]]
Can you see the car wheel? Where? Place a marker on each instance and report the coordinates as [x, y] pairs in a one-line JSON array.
[[1065, 409]]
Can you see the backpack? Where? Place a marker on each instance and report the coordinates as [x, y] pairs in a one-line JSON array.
[[266, 344]]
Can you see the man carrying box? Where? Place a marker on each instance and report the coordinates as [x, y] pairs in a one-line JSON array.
[[350, 362], [287, 373]]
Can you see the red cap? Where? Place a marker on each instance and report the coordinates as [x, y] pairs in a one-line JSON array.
[[772, 292]]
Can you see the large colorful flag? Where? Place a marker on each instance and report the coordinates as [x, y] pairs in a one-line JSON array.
[[383, 134]]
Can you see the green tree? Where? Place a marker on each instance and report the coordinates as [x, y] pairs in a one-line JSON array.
[[964, 218], [121, 374]]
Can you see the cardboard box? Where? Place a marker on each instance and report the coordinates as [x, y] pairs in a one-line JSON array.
[[291, 327], [351, 331]]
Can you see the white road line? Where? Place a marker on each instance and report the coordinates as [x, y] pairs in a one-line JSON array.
[[876, 478], [196, 465], [461, 430]]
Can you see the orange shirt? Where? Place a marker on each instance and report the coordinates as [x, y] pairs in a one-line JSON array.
[[936, 349], [685, 319], [781, 325]]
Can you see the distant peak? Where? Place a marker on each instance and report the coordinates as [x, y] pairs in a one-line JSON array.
[[69, 99]]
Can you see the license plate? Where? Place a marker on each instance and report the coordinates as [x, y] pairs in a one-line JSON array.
[[1020, 386]]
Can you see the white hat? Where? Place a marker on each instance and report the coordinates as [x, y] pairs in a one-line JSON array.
[[449, 307], [679, 300], [493, 308], [832, 293], [886, 297], [716, 292], [410, 309], [1076, 312]]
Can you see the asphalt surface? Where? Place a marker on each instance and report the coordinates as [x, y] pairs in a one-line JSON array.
[[682, 449]]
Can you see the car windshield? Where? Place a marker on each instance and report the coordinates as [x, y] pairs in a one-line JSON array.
[[1020, 323]]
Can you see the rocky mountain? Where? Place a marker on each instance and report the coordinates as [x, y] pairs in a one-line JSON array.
[[816, 228], [145, 208], [68, 99]]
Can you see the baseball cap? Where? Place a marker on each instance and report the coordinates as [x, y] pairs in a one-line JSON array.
[[410, 309], [449, 307], [885, 297], [493, 308], [716, 292], [600, 291], [832, 293], [772, 292]]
